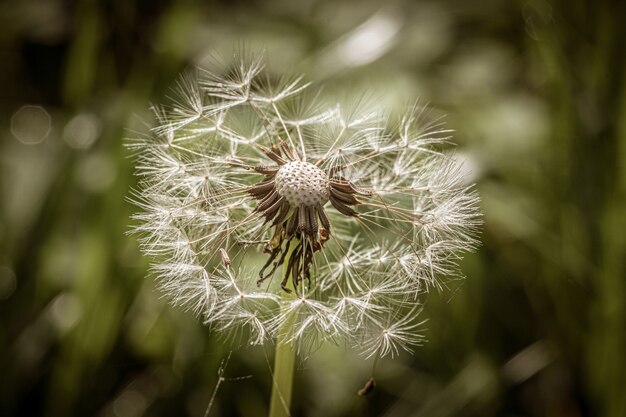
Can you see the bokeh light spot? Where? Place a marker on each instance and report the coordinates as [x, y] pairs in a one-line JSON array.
[[31, 124], [370, 41], [66, 311], [82, 131]]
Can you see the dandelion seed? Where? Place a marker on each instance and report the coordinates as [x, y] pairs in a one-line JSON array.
[[356, 218]]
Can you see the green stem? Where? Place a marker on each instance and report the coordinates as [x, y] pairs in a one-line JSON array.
[[284, 363], [284, 359]]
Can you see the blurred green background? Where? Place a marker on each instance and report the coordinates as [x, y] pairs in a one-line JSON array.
[[535, 91]]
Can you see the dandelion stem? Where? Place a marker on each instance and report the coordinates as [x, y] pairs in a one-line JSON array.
[[284, 363], [284, 358]]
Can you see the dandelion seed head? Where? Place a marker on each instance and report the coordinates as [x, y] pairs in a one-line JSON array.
[[357, 218]]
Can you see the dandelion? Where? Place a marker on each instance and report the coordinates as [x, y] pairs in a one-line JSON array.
[[356, 218]]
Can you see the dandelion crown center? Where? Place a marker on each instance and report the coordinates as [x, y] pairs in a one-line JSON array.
[[302, 183]]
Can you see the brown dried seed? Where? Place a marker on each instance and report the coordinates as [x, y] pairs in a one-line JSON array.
[[312, 223], [268, 170], [293, 222], [273, 209], [303, 218], [284, 210], [267, 201], [342, 208], [287, 150], [347, 198], [322, 216], [261, 189], [274, 156], [344, 185], [341, 186]]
